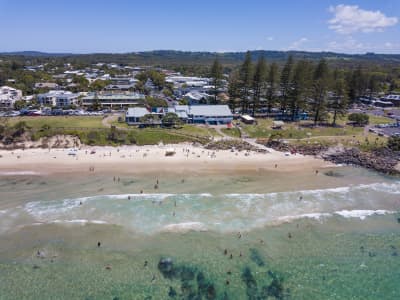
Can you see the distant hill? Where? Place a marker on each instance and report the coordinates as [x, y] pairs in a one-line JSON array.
[[174, 58], [33, 54]]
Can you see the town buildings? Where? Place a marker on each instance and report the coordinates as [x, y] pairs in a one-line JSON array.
[[8, 96], [113, 100], [58, 99]]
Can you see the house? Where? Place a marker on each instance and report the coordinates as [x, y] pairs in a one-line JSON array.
[[395, 99], [114, 100], [46, 85], [8, 96], [196, 98], [181, 111], [58, 99], [134, 114], [119, 87], [380, 103], [121, 84]]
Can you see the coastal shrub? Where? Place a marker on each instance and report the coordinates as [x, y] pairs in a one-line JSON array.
[[171, 119], [20, 128], [394, 143], [2, 131], [359, 119], [93, 137]]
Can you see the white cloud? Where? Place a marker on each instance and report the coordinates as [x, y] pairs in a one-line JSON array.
[[270, 38], [296, 45], [348, 19]]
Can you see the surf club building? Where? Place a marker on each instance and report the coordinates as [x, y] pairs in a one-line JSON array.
[[192, 114]]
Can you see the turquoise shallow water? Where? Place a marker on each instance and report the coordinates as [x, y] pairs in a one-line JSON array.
[[213, 236]]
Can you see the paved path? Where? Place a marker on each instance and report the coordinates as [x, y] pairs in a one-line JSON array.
[[106, 122], [243, 138]]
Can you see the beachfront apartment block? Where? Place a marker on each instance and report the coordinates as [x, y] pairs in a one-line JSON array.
[[58, 99], [114, 100], [8, 96]]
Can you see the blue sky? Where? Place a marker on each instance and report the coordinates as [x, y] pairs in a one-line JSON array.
[[124, 26]]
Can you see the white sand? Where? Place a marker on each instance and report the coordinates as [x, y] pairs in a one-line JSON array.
[[141, 159]]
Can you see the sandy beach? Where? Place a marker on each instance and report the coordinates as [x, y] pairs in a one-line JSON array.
[[142, 159]]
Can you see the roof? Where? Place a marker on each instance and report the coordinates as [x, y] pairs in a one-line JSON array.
[[196, 95], [247, 118], [115, 96], [137, 112], [210, 110], [181, 108], [68, 96], [392, 97], [182, 114], [60, 93], [120, 86]]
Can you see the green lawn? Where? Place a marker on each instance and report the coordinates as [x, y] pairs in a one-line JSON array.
[[234, 132], [374, 120], [60, 121], [197, 130], [369, 142]]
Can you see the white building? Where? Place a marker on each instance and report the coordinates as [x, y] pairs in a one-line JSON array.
[[58, 99], [196, 114], [134, 114], [8, 96], [114, 100]]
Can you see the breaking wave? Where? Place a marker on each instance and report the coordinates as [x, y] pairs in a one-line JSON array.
[[149, 213]]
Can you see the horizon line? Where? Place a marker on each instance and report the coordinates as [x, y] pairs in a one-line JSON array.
[[193, 51]]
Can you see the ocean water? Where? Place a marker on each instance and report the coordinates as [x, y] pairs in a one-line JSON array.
[[254, 235]]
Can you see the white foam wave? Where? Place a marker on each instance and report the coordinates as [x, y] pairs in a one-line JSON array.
[[79, 221], [184, 227], [315, 216], [362, 214], [18, 173]]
